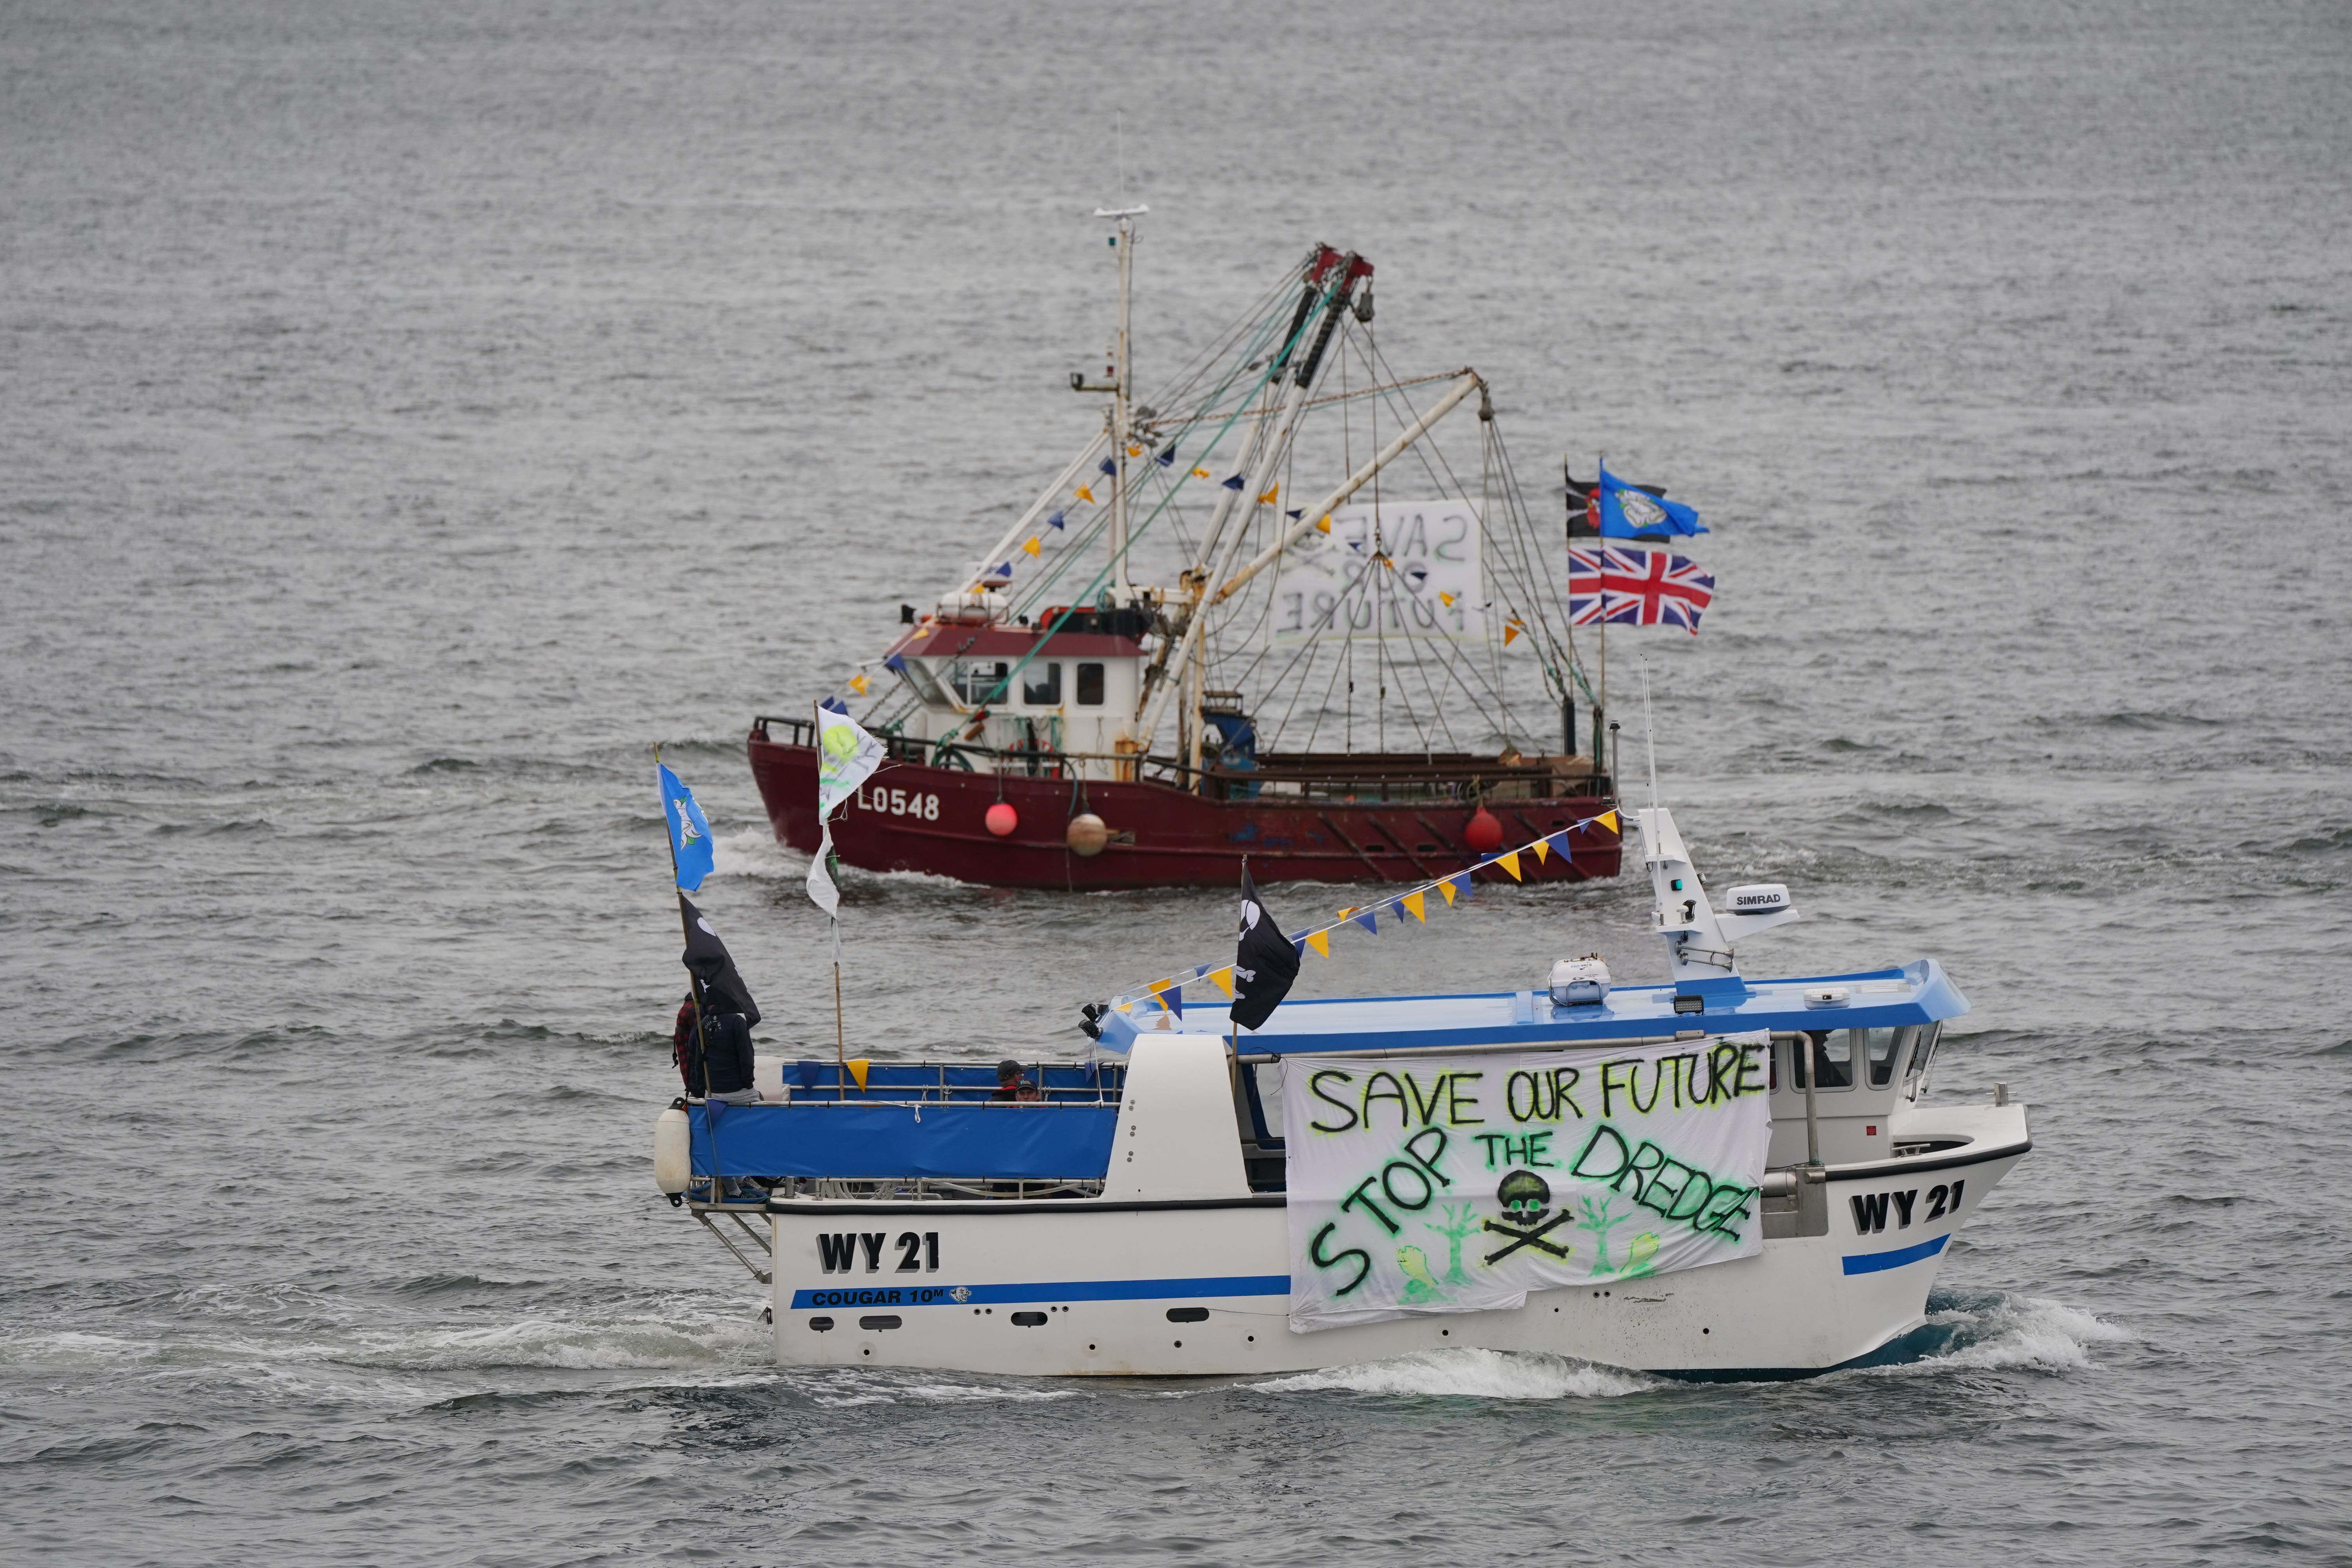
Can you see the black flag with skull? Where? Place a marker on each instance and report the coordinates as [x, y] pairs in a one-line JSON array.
[[1264, 961]]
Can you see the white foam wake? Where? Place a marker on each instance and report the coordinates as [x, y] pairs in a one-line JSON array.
[[1471, 1374], [2018, 1331]]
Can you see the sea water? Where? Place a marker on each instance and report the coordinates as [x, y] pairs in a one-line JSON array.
[[415, 413]]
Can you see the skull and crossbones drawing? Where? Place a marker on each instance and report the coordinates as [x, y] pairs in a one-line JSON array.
[[1525, 1198]]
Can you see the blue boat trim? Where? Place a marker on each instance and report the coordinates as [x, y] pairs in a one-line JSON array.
[[1872, 1262], [1050, 1290]]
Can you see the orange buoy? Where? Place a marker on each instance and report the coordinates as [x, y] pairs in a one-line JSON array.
[[1002, 819], [1485, 833]]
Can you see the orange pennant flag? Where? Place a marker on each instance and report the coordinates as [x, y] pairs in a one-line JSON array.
[[1268, 497], [1200, 473], [858, 683], [1223, 979], [857, 1065], [1032, 545], [1413, 901], [1607, 819], [1084, 494], [1511, 630], [1446, 887], [1510, 863], [1447, 599], [1324, 523], [1135, 451], [1321, 941], [1542, 846]]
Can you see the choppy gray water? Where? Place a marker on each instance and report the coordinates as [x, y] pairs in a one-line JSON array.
[[413, 411]]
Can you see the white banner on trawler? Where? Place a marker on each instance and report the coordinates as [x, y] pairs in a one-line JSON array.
[[1449, 1184], [1400, 569]]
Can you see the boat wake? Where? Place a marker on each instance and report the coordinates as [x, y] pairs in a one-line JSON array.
[[1995, 1331], [1471, 1373]]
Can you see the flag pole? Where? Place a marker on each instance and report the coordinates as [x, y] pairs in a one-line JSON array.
[[1599, 547], [831, 867], [694, 988]]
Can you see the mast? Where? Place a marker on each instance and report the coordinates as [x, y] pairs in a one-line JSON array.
[[1122, 398]]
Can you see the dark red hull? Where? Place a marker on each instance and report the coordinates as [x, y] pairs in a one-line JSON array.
[[1178, 838]]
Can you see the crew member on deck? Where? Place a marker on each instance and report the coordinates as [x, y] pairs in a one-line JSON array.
[[1011, 1085], [681, 1043]]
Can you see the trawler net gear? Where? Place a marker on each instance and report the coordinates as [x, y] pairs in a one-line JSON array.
[[1268, 600]]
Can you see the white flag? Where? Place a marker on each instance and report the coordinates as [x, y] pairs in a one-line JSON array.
[[846, 757], [820, 880]]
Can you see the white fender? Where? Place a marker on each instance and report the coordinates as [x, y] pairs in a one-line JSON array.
[[673, 1163]]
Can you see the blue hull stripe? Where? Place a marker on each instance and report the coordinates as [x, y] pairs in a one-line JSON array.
[[1872, 1262], [1052, 1291]]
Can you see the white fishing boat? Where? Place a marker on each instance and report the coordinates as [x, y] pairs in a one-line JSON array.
[[1184, 1201]]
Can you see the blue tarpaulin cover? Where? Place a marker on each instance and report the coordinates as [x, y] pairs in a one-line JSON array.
[[870, 1143]]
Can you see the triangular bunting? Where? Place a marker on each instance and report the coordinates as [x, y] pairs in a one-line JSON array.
[[1542, 846], [1234, 483], [1368, 919], [1559, 841], [1324, 523], [1511, 630], [1321, 941], [1607, 819], [1446, 887], [1412, 903], [1447, 599], [1134, 451], [1200, 473], [1223, 979], [1510, 863], [1032, 545], [1107, 468], [1055, 522], [1268, 499], [857, 1065], [858, 683], [1084, 493]]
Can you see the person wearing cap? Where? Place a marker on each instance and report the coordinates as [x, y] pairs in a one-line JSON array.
[[1011, 1085]]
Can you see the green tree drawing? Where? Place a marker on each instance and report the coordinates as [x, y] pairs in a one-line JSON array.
[[1599, 1222], [1461, 1221]]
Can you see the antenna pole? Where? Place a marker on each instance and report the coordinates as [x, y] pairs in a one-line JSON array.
[[1649, 732]]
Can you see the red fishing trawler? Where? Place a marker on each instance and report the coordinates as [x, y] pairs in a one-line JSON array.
[[1351, 688]]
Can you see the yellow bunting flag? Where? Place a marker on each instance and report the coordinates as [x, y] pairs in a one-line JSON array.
[[1607, 819], [1124, 1007], [1032, 545], [1447, 599], [1223, 979], [1321, 941], [1446, 887], [1268, 499], [857, 1065], [1324, 523], [1200, 473], [1511, 630], [1135, 451], [1510, 863], [858, 683], [1084, 493], [1413, 901], [1542, 846], [1160, 989]]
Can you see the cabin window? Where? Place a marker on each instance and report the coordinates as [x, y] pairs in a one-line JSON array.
[[1090, 685], [1042, 686], [975, 679], [1922, 1052], [1834, 1050], [1883, 1049]]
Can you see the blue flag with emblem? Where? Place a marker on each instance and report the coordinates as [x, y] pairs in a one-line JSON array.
[[690, 831], [1628, 512]]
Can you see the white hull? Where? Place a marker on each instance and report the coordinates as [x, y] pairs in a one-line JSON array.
[[1105, 1276]]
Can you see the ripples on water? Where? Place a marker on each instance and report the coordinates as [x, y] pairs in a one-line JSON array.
[[412, 416]]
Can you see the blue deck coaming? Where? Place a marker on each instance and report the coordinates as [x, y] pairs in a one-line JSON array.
[[854, 1141], [1506, 1019]]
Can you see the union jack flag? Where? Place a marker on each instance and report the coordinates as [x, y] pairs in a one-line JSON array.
[[1636, 587]]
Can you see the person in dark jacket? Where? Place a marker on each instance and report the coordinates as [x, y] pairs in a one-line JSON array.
[[681, 1040]]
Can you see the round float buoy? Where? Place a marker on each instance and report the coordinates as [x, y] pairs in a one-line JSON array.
[[1087, 834], [1002, 819], [1485, 833]]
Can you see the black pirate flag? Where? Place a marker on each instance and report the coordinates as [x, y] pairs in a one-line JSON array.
[[1264, 961]]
